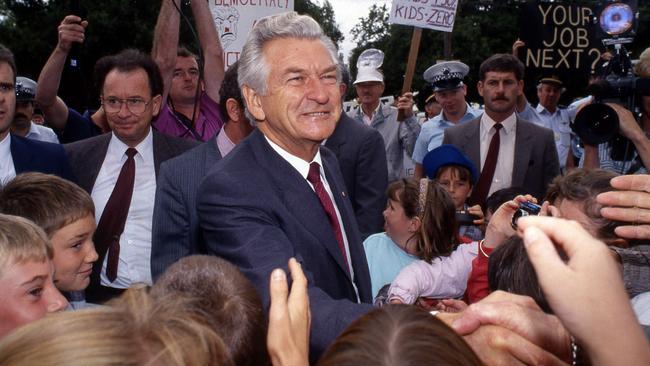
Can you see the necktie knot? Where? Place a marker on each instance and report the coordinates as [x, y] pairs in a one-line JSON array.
[[130, 152], [314, 173], [498, 126]]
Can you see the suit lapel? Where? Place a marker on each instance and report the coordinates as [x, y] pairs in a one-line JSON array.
[[20, 154], [298, 196], [523, 146], [91, 162], [473, 137]]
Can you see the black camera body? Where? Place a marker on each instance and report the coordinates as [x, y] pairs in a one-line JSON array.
[[525, 209]]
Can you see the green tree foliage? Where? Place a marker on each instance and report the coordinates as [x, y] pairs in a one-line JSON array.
[[324, 15]]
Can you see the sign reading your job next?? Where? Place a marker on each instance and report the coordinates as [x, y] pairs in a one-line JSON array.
[[433, 14]]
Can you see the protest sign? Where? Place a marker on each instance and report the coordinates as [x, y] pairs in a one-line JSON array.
[[558, 37], [433, 14], [235, 18]]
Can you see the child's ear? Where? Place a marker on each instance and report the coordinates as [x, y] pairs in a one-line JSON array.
[[414, 226]]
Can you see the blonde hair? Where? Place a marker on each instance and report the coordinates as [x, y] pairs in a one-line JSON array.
[[642, 68], [20, 241], [50, 201], [135, 330]]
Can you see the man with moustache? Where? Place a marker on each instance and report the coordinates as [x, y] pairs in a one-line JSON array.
[[509, 150], [22, 124], [279, 193]]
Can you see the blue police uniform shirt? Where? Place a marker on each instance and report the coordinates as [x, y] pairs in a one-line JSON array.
[[433, 131]]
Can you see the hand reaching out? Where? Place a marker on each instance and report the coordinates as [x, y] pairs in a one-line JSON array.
[[71, 30], [586, 292], [289, 318]]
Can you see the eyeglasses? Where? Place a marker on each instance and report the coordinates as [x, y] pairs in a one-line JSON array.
[[134, 105]]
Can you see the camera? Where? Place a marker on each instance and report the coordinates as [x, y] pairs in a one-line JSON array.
[[465, 218], [598, 123], [525, 209]]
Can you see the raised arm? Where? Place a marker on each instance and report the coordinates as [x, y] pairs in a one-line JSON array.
[[213, 67], [165, 42], [55, 111]]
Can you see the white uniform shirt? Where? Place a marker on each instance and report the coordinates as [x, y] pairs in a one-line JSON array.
[[135, 243], [41, 133]]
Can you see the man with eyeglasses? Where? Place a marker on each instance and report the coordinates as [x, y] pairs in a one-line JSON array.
[[119, 170], [189, 109]]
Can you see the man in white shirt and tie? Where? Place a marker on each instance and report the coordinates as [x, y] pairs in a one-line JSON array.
[[119, 170]]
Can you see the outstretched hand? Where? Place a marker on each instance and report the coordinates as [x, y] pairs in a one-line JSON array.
[[586, 291], [289, 318]]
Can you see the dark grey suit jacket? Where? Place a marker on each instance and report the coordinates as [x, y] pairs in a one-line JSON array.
[[87, 156], [536, 162], [362, 159], [257, 211], [176, 232]]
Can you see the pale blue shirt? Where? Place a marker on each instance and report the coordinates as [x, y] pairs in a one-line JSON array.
[[385, 260], [433, 131]]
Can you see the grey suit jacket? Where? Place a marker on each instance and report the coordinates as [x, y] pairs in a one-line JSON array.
[[536, 162], [362, 158], [87, 156], [176, 232]]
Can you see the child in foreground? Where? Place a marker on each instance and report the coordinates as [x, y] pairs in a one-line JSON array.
[[420, 224], [457, 174], [28, 292], [67, 215]]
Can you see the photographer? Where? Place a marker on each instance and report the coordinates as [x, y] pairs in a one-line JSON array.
[[599, 156]]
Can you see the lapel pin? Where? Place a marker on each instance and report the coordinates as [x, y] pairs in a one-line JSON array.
[[343, 194]]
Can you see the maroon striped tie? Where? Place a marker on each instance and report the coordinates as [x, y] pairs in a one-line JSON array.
[[314, 178]]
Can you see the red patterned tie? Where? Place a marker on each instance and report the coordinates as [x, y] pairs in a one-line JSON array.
[[482, 188], [111, 224], [314, 178]]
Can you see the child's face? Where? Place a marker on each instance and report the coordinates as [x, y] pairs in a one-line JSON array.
[[28, 293], [457, 188], [398, 226], [74, 254]]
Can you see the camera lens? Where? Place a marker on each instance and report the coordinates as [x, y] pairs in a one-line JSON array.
[[596, 123]]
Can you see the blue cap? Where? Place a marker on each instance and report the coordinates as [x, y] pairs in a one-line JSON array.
[[445, 155]]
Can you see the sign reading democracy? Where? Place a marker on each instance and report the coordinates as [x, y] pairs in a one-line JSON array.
[[433, 14], [235, 18], [558, 37]]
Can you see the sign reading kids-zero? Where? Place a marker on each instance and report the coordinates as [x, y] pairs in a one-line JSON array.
[[558, 36], [235, 18], [432, 14]]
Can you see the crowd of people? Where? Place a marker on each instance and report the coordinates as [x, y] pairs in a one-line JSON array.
[[212, 216]]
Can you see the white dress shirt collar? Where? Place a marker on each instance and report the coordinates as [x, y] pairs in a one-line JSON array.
[[487, 123], [145, 148], [297, 163]]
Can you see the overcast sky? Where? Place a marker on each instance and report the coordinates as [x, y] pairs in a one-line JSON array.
[[347, 13]]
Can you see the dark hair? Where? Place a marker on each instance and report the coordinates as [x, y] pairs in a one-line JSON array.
[[509, 269], [438, 234], [51, 202], [502, 62], [461, 172], [582, 186], [126, 61], [184, 52], [224, 299], [397, 335], [8, 57], [230, 89], [498, 198]]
